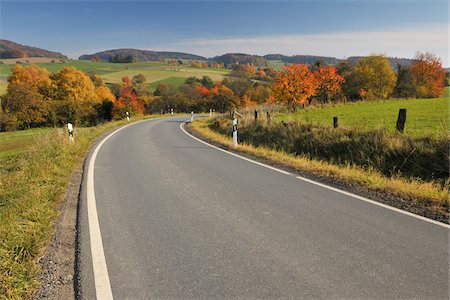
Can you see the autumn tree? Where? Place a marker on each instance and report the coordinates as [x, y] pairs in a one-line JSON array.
[[259, 94], [161, 89], [27, 95], [375, 77], [75, 96], [224, 99], [243, 70], [328, 83], [128, 100], [139, 86], [238, 85], [294, 85], [26, 105], [428, 76]]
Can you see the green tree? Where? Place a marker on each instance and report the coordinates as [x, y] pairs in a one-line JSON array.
[[206, 81], [404, 87]]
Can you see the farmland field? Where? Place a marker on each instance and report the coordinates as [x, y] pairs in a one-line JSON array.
[[425, 117], [155, 72], [17, 142]]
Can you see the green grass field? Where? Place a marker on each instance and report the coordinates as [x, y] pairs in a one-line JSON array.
[[17, 142], [425, 117], [114, 72], [276, 64]]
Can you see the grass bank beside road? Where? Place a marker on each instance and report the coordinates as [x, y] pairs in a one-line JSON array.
[[425, 117], [35, 169], [430, 195]]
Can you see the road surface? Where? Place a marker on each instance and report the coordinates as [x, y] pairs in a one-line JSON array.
[[180, 219]]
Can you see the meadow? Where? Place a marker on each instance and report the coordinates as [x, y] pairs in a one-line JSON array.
[[35, 170], [155, 72], [425, 117]]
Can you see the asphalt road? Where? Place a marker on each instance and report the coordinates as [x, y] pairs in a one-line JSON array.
[[180, 219]]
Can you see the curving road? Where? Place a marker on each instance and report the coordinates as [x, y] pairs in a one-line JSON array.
[[180, 219]]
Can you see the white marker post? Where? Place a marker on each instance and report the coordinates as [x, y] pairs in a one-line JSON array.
[[235, 133], [171, 111], [70, 129], [210, 112], [192, 116], [128, 116]]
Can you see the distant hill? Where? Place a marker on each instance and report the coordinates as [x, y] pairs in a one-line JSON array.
[[9, 49], [311, 59], [124, 55], [303, 59], [394, 61], [233, 58], [180, 55], [138, 55]]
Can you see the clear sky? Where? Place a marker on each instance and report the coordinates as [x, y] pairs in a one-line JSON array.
[[339, 28]]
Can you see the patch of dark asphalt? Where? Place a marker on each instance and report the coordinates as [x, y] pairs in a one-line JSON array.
[[408, 205]]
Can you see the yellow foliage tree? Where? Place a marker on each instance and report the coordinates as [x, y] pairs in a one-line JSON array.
[[375, 77], [27, 94], [75, 96]]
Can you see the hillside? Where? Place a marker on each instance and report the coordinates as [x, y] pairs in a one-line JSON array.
[[303, 59], [310, 59], [9, 49], [180, 55], [232, 58], [138, 55], [394, 61]]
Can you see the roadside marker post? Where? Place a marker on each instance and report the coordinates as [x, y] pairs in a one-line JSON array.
[[235, 133], [192, 116], [70, 129], [401, 120], [210, 112], [171, 111], [128, 116], [335, 122]]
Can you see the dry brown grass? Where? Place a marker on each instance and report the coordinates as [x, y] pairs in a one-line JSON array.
[[429, 194]]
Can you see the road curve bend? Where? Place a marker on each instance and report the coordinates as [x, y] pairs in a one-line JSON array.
[[180, 219]]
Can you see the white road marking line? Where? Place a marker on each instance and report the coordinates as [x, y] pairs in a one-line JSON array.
[[231, 153], [321, 184], [101, 277], [373, 202]]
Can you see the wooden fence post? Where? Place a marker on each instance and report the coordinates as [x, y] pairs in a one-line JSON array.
[[401, 119], [335, 122], [256, 115], [268, 117]]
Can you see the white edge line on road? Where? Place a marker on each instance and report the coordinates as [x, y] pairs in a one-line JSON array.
[[234, 154], [101, 278], [320, 184]]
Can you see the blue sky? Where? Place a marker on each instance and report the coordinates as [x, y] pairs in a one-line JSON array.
[[338, 28]]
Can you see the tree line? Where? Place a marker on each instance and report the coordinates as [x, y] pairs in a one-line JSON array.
[[37, 98]]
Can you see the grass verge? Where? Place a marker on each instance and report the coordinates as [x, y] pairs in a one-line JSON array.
[[428, 194], [32, 184]]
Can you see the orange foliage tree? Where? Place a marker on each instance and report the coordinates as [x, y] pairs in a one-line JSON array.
[[128, 101], [328, 83], [294, 85], [26, 99], [204, 91], [428, 76]]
